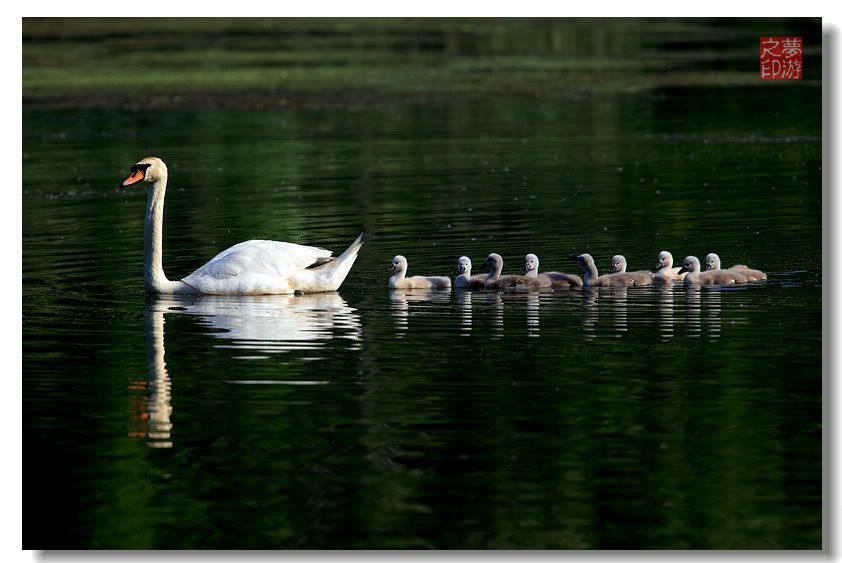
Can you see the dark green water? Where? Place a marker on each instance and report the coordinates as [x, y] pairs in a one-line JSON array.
[[374, 419]]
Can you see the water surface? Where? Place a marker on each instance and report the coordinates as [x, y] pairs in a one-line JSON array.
[[638, 418]]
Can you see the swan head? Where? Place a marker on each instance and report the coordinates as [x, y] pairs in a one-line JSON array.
[[712, 262], [664, 260], [691, 264], [618, 264], [150, 169], [585, 261], [398, 264], [494, 262], [530, 262], [464, 265]]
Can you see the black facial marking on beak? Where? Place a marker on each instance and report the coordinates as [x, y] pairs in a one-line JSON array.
[[138, 174]]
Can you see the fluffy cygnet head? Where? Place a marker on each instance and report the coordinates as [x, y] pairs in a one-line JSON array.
[[398, 264], [712, 262], [618, 264], [585, 261], [664, 260], [530, 264], [494, 262], [464, 265], [691, 264]]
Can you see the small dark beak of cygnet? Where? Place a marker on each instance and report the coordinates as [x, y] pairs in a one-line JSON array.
[[392, 267], [708, 267], [658, 266], [683, 269]]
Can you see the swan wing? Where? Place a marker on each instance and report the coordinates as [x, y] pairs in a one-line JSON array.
[[255, 267]]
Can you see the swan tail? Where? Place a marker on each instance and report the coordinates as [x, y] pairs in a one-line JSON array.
[[352, 250], [335, 271]]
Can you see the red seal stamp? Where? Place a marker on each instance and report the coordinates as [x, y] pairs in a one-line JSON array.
[[780, 58]]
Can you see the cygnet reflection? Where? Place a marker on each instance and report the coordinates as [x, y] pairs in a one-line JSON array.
[[400, 300]]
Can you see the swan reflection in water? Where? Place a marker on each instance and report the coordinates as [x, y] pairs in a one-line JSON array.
[[702, 310], [264, 324], [401, 298], [464, 304], [709, 299], [713, 311], [494, 304], [618, 297], [693, 311], [666, 311], [149, 400], [590, 312], [273, 323], [533, 319]]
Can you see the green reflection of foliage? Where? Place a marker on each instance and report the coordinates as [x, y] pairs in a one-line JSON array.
[[271, 62]]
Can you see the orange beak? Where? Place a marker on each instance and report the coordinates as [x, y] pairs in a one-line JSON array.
[[136, 177]]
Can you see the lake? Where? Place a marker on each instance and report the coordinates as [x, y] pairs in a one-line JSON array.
[[368, 418]]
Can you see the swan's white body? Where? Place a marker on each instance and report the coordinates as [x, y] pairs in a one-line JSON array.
[[253, 267], [259, 267]]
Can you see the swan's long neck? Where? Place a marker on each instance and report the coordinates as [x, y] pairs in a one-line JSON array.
[[533, 273], [591, 274], [398, 276], [153, 241], [692, 275], [495, 272]]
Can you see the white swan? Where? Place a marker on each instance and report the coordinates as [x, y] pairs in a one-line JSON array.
[[253, 267]]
